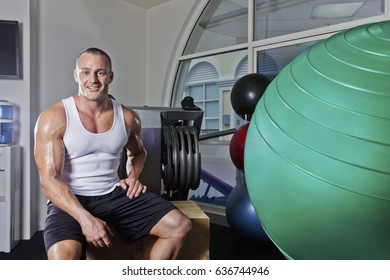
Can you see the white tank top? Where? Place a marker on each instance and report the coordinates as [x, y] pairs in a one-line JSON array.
[[92, 159]]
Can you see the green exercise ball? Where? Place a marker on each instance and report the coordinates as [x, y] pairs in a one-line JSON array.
[[317, 151]]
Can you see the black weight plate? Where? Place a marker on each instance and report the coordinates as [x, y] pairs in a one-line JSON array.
[[190, 157], [182, 158], [167, 164], [175, 156], [197, 158]]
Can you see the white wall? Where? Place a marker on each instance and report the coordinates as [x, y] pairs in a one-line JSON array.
[[68, 27], [164, 24], [23, 94], [54, 32]]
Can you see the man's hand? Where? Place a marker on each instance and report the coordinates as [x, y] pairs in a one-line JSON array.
[[96, 232], [133, 186]]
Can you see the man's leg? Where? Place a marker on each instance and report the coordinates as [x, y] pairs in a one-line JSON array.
[[65, 250], [62, 235], [171, 231]]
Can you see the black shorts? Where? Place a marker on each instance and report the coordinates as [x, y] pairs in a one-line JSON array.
[[133, 218]]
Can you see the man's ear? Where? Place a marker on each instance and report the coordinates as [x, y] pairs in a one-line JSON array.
[[75, 75], [111, 76]]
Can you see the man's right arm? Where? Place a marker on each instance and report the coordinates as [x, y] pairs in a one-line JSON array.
[[49, 152], [49, 157]]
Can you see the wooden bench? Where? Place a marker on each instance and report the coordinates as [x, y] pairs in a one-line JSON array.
[[196, 246]]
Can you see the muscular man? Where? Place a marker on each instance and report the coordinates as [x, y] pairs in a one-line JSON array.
[[78, 143]]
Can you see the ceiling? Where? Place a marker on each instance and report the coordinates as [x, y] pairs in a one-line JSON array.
[[146, 4]]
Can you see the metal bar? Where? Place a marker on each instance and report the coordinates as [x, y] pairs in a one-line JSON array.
[[217, 134]]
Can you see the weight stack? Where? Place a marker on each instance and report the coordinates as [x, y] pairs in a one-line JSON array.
[[170, 136]]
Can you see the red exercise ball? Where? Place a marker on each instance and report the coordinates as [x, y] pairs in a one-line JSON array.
[[236, 147]]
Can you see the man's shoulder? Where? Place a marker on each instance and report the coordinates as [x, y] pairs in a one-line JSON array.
[[56, 109], [130, 116], [55, 114], [128, 112]]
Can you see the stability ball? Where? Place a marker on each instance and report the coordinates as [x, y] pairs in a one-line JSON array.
[[246, 92], [241, 215], [237, 145], [317, 151]]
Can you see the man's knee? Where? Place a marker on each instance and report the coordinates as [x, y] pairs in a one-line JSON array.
[[183, 226], [186, 225], [65, 250], [173, 225]]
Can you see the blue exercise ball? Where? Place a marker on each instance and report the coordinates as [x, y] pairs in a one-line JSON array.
[[241, 215]]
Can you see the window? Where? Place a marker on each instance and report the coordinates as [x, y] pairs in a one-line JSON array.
[[271, 60], [222, 24], [231, 38], [207, 98], [286, 17], [203, 88], [209, 81]]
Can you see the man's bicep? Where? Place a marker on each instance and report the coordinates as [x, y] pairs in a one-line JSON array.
[[49, 149], [134, 144]]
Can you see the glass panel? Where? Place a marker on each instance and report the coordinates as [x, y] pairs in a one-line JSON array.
[[212, 109], [212, 124], [281, 17], [228, 64], [196, 92], [280, 58], [223, 23], [215, 161], [266, 64], [199, 104], [212, 92]]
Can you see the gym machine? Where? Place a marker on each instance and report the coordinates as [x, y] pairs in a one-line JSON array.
[[170, 136]]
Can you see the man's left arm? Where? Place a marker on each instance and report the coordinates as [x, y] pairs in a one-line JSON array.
[[136, 155]]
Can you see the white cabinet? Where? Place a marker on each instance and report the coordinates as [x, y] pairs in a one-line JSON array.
[[10, 196]]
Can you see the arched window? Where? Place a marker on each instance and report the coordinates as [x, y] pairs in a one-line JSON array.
[[251, 36], [202, 86], [242, 68]]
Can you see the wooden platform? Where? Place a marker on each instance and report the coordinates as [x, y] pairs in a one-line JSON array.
[[196, 246]]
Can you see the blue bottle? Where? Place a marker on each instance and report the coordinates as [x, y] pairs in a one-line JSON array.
[[6, 122]]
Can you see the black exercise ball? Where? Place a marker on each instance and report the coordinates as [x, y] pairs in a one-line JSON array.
[[247, 91]]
